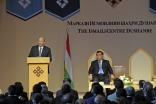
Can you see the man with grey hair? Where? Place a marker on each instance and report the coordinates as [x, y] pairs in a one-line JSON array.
[[130, 91], [80, 101], [99, 99], [44, 93], [147, 90]]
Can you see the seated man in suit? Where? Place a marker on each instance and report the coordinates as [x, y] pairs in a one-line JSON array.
[[12, 99], [40, 50], [140, 92], [100, 69], [148, 91], [73, 92]]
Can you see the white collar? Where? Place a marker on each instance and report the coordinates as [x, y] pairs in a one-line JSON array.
[[40, 47]]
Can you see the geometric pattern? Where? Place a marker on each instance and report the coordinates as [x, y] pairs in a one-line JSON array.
[[38, 71]]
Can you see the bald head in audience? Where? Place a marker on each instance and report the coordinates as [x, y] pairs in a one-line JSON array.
[[99, 99], [80, 101]]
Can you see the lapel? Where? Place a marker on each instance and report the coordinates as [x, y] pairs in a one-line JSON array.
[[37, 50], [97, 65]]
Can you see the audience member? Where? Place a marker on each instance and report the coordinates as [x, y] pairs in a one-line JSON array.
[[118, 84]]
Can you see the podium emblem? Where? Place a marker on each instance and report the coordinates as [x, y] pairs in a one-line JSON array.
[[38, 71]]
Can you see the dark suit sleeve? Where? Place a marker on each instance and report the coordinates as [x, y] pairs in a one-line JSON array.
[[91, 69], [49, 54], [31, 52], [109, 68]]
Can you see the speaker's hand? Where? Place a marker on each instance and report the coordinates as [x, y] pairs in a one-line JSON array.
[[112, 76]]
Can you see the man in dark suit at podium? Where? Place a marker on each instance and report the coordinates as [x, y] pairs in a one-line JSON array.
[[100, 69], [40, 50]]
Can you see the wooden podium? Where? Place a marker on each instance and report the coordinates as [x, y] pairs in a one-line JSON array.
[[38, 70]]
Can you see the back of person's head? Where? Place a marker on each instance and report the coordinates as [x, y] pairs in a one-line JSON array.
[[11, 90], [67, 98], [80, 101], [44, 102], [37, 88], [42, 83], [130, 91], [141, 83], [121, 93], [118, 83], [93, 84], [138, 98], [65, 89], [18, 84], [122, 100], [19, 90], [37, 97], [44, 89], [111, 102], [67, 79], [99, 99], [97, 89], [148, 89]]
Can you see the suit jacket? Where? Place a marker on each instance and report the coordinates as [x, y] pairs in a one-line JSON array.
[[129, 99], [46, 52], [109, 91], [94, 68], [23, 94], [112, 97], [88, 95], [46, 97], [73, 92], [14, 100], [90, 100], [139, 92], [148, 98]]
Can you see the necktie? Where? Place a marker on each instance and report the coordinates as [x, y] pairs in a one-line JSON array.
[[100, 68], [40, 52]]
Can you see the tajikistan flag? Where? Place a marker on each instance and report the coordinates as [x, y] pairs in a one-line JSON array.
[[68, 72]]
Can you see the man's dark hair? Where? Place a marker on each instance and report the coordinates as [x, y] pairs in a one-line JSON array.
[[99, 52], [122, 100], [121, 93], [99, 99], [118, 83], [93, 84], [12, 90], [18, 84], [67, 98], [37, 97], [148, 89], [67, 79], [141, 83], [19, 90], [42, 83], [65, 89], [97, 89], [37, 88]]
